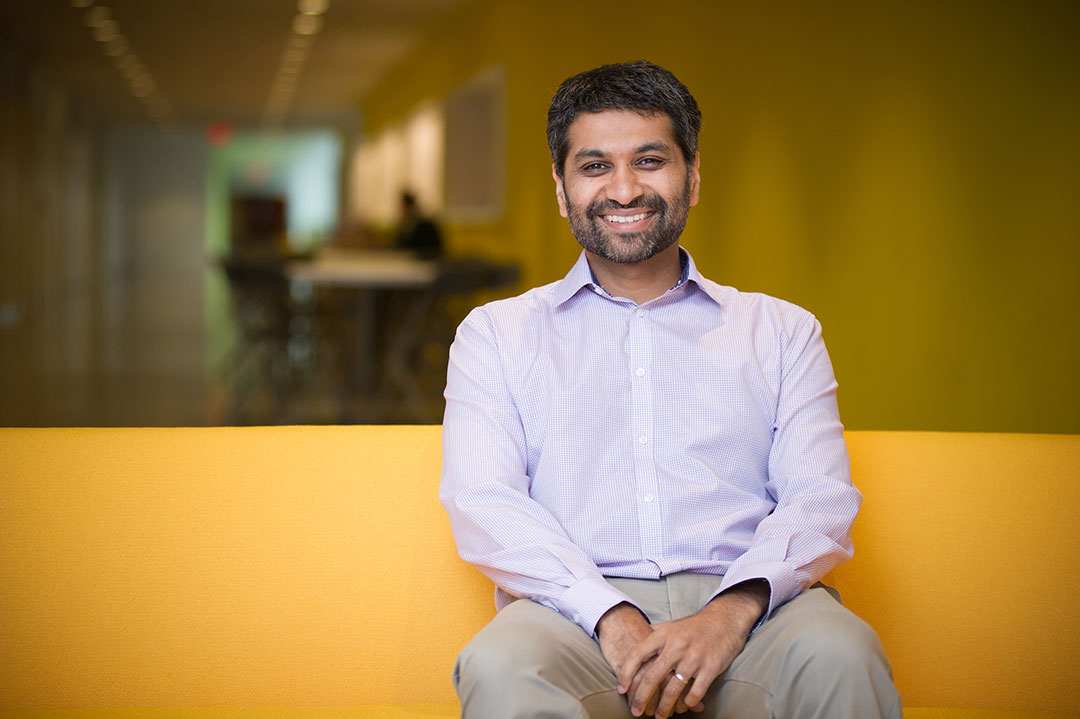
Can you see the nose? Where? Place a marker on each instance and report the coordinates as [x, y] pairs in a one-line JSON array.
[[624, 186]]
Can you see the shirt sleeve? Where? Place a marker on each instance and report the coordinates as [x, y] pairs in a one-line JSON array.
[[808, 532], [498, 527]]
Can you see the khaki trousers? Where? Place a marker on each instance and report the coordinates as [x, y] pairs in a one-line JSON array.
[[812, 659]]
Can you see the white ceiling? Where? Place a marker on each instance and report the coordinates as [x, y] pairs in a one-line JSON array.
[[216, 60]]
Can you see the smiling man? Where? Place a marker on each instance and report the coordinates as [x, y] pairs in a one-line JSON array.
[[648, 465], [632, 203]]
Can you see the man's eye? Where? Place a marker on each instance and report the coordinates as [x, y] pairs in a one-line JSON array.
[[594, 167], [650, 162]]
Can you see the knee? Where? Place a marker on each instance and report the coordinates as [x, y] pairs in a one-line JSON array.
[[489, 683], [839, 644], [527, 658], [837, 667], [520, 645], [493, 663]]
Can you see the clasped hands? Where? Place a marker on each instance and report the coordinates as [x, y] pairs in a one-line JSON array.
[[668, 668]]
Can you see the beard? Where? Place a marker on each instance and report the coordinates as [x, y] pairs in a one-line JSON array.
[[627, 248]]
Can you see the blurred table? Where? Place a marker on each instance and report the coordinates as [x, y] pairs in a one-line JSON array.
[[371, 278], [364, 269]]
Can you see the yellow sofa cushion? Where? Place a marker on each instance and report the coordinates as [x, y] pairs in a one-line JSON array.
[[445, 710], [415, 711]]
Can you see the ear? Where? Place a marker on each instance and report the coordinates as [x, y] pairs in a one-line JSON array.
[[695, 179], [560, 193]]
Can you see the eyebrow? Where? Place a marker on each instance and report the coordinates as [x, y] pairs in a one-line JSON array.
[[654, 146]]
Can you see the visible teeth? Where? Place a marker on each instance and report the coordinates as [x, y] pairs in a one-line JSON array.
[[622, 220]]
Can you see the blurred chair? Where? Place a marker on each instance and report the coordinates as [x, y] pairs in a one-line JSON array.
[[414, 364], [258, 303], [286, 343]]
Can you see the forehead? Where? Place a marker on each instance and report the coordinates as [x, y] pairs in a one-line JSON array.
[[615, 131]]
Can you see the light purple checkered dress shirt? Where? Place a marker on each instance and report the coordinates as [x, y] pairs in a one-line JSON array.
[[586, 436]]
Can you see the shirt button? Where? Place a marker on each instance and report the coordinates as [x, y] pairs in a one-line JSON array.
[[642, 439], [640, 372], [640, 313], [648, 498]]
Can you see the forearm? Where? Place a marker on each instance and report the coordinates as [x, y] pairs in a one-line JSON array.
[[808, 531], [797, 545], [518, 544], [745, 603]]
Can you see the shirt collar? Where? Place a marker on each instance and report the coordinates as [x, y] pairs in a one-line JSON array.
[[581, 276]]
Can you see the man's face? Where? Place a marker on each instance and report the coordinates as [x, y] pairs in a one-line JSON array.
[[626, 188]]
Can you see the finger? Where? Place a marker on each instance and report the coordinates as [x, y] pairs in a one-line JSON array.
[[633, 690], [696, 708], [669, 697], [635, 660], [651, 679], [653, 707], [702, 680], [640, 701], [684, 702], [650, 708], [682, 683]]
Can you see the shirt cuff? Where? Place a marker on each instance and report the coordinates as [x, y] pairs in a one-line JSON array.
[[587, 601], [780, 577]]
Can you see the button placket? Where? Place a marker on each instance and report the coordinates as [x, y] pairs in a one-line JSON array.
[[639, 346]]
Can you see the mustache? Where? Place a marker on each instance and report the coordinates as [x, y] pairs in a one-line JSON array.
[[655, 202]]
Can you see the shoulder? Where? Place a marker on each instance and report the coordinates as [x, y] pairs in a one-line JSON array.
[[511, 319], [511, 311], [781, 311], [756, 309]]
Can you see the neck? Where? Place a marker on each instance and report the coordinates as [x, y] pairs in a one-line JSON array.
[[642, 281]]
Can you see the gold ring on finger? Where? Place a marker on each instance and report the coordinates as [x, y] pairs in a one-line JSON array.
[[681, 678]]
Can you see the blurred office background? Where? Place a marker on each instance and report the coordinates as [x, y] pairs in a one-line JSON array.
[[908, 171]]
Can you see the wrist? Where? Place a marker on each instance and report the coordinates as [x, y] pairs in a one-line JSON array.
[[748, 600], [622, 616]]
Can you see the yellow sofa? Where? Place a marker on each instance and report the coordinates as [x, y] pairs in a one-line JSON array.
[[309, 573]]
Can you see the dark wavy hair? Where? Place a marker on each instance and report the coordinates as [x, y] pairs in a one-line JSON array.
[[640, 86]]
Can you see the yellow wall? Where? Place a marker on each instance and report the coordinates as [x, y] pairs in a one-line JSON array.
[[910, 173]]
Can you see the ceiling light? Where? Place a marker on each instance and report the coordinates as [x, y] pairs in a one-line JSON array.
[[312, 7], [307, 24], [290, 68], [133, 69], [125, 60], [106, 31], [97, 15], [143, 85], [116, 47]]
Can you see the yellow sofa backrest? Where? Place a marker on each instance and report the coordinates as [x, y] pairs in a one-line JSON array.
[[295, 566], [313, 566], [967, 563]]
